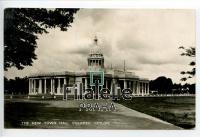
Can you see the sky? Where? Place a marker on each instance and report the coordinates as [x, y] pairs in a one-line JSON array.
[[147, 39]]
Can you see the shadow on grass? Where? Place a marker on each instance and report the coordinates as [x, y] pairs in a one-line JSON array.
[[18, 112]]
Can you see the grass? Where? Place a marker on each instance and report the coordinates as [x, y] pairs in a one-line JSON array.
[[16, 113], [179, 111]]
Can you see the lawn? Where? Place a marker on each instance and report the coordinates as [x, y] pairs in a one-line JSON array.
[[40, 115], [179, 111], [18, 113]]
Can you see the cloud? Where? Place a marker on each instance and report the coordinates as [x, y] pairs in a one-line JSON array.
[[147, 40], [80, 51]]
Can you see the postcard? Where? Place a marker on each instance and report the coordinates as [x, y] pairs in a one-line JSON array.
[[99, 69]]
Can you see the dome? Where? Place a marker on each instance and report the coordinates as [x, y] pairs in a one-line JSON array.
[[95, 58], [96, 49]]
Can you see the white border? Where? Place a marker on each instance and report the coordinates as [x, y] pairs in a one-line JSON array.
[[183, 4], [151, 4]]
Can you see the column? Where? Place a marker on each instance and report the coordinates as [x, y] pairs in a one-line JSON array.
[[31, 85], [65, 82], [29, 80], [142, 89], [58, 89], [133, 87], [137, 91], [145, 88], [40, 86], [111, 88], [125, 84], [34, 86], [51, 86], [85, 83], [45, 86], [79, 87]]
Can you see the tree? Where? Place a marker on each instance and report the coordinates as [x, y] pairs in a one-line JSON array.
[[21, 29], [186, 88], [190, 52], [161, 84], [16, 86]]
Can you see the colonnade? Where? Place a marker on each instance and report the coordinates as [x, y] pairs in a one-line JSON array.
[[40, 86], [138, 87], [55, 85]]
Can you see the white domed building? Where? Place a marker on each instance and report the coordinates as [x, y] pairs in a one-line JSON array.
[[52, 83], [95, 58]]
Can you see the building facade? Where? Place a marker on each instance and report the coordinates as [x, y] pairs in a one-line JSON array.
[[53, 83]]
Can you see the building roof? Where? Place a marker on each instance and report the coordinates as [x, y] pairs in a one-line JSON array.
[[109, 73]]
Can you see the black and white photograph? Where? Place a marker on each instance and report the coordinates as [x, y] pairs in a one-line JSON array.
[[96, 68], [81, 68]]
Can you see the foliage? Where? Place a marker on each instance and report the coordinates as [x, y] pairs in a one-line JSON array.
[[186, 88], [21, 29], [16, 86], [165, 85], [161, 84], [190, 52]]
